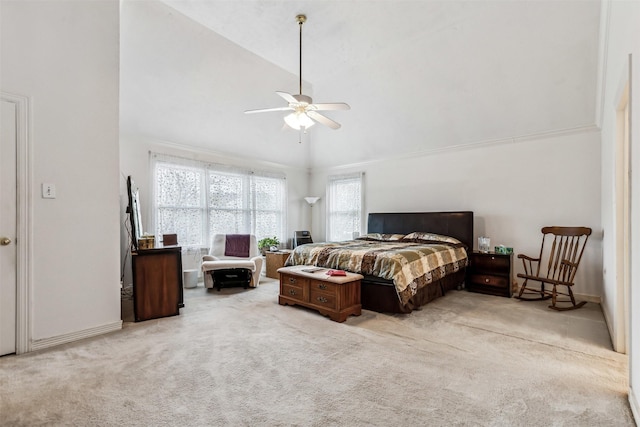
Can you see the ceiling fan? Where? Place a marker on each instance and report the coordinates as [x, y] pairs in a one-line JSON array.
[[304, 111]]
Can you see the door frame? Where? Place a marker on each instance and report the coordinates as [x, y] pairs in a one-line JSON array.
[[24, 220], [622, 212]]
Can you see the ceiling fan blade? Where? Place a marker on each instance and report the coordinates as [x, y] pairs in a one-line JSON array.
[[323, 120], [331, 106], [265, 110], [287, 97]]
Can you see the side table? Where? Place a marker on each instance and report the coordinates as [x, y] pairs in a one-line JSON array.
[[276, 260], [490, 273]]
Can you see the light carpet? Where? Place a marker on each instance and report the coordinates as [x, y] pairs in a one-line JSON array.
[[237, 358]]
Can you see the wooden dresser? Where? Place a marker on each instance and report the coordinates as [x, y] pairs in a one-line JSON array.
[[490, 273], [337, 297], [157, 282]]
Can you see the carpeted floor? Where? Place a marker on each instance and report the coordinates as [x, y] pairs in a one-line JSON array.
[[236, 357]]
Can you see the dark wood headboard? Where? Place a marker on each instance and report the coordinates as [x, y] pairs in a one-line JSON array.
[[454, 224]]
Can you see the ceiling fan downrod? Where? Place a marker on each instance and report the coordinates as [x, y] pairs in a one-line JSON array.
[[301, 20]]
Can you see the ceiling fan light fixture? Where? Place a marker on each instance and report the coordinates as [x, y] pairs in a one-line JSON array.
[[298, 120]]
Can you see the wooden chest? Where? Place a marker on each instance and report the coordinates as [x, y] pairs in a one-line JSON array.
[[337, 297]]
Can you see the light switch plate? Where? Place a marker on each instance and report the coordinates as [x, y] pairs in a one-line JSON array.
[[48, 191]]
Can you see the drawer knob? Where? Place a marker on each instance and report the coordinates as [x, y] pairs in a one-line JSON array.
[[493, 257], [486, 280], [322, 286], [292, 280], [322, 299], [292, 292]]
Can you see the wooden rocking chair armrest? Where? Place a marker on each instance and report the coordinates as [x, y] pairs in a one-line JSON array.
[[531, 277], [528, 258]]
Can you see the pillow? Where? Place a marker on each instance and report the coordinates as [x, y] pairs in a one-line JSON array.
[[381, 236], [423, 235]]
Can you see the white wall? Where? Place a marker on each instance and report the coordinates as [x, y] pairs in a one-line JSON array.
[[514, 188], [63, 56], [621, 37], [134, 161]]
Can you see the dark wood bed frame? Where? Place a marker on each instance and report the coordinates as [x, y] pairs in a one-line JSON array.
[[380, 294]]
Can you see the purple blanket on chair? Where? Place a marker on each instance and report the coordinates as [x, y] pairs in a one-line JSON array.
[[237, 245]]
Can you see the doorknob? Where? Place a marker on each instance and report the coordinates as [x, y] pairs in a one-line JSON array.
[[4, 241]]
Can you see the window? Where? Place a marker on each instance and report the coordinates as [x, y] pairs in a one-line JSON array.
[[196, 200], [179, 202], [344, 217]]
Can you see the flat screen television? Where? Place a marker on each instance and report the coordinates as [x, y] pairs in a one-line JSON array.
[[133, 210]]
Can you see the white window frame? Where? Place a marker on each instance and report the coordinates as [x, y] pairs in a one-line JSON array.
[[332, 210], [247, 211]]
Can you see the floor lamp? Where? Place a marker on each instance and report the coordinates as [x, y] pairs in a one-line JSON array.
[[311, 201]]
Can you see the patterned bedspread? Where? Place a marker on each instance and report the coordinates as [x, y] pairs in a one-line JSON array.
[[411, 264]]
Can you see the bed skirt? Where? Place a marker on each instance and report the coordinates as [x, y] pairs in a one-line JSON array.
[[380, 295]]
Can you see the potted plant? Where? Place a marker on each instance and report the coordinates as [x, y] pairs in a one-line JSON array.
[[268, 243]]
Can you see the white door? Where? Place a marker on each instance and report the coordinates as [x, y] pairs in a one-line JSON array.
[[8, 227]]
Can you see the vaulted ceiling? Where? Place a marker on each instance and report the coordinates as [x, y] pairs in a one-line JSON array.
[[419, 75]]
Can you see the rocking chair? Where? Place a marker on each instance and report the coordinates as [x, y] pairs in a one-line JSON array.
[[567, 246]]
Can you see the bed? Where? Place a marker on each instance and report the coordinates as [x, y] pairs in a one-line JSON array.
[[397, 257]]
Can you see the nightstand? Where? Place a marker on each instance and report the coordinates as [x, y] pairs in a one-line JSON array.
[[276, 260], [490, 273]]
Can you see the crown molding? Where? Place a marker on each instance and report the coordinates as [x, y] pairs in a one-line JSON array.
[[463, 147], [220, 157]]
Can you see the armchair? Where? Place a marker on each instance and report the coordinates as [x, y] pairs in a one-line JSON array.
[[232, 251]]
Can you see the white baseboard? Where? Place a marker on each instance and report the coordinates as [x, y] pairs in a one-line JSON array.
[[635, 408], [75, 336], [589, 298]]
